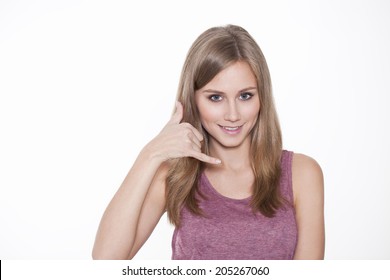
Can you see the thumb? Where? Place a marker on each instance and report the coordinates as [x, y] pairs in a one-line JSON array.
[[178, 115]]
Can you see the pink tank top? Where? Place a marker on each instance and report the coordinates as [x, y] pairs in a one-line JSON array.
[[232, 231]]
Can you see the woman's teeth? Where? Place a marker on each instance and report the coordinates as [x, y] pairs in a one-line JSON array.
[[231, 128]]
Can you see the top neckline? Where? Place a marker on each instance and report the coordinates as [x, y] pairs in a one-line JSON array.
[[208, 184]]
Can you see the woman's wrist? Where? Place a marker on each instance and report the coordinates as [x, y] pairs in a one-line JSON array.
[[151, 155]]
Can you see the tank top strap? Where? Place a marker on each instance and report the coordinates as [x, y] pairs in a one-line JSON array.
[[286, 175]]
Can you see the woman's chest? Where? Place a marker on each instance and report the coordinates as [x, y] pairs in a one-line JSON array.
[[228, 233]]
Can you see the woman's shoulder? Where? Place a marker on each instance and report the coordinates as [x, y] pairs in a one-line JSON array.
[[307, 176], [305, 164], [308, 188]]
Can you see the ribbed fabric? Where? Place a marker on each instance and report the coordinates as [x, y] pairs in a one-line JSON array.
[[232, 231]]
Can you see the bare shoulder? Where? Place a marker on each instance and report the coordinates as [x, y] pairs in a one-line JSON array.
[[308, 189], [306, 165], [307, 176]]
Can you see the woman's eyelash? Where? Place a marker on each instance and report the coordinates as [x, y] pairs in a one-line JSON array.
[[215, 97], [247, 94], [243, 96]]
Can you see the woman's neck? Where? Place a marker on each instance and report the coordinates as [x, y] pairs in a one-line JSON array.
[[233, 159]]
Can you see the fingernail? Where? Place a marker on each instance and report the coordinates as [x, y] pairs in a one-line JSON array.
[[218, 161]]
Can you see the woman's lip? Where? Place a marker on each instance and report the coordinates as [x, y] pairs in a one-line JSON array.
[[231, 129]]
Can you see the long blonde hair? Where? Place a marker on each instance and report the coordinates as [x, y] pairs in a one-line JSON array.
[[214, 50]]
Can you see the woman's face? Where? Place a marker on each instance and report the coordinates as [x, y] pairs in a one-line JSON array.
[[229, 106]]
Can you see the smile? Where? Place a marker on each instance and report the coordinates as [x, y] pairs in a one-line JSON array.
[[231, 129]]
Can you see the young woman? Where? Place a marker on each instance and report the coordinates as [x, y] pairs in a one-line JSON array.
[[218, 168]]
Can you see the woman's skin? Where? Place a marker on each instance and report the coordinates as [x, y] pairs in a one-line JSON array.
[[228, 107], [139, 203]]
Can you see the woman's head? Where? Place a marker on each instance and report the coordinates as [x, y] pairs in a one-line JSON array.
[[228, 108], [213, 51]]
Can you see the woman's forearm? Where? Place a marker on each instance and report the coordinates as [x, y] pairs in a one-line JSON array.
[[117, 230]]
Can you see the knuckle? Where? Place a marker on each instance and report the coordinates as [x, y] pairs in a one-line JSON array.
[[189, 127], [196, 148], [189, 134], [184, 126]]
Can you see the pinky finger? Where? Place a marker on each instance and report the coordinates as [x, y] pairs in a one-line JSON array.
[[205, 158]]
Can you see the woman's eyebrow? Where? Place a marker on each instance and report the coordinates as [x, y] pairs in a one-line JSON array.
[[213, 91], [221, 92], [248, 88]]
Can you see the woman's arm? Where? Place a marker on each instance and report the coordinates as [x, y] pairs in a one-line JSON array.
[[117, 231], [308, 187], [139, 203]]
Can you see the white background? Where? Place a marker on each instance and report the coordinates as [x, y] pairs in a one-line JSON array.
[[84, 85]]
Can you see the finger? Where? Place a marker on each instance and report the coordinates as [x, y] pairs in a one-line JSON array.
[[178, 115], [193, 139], [205, 158], [192, 143], [196, 144], [197, 134]]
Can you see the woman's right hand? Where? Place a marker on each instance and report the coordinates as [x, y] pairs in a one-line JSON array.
[[177, 140]]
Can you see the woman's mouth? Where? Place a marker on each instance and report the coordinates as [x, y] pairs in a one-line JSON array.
[[231, 129]]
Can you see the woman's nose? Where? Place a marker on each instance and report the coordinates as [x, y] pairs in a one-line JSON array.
[[232, 113]]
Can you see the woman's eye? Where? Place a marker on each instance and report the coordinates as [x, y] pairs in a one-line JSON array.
[[215, 97], [246, 96]]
